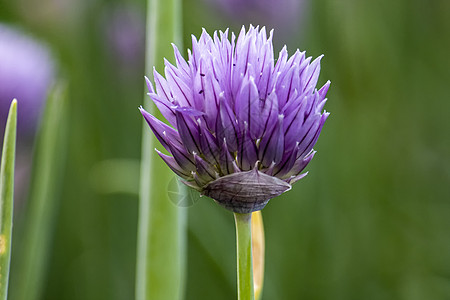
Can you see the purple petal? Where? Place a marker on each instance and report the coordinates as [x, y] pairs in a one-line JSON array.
[[294, 123], [323, 90], [188, 131], [162, 87], [209, 147], [171, 162], [295, 60], [281, 62], [191, 184], [299, 165], [269, 113], [182, 93], [211, 93], [181, 63], [205, 170], [248, 109], [165, 107], [179, 74], [264, 77], [198, 91], [183, 159], [149, 85], [165, 134], [247, 154], [272, 144], [294, 179], [310, 140], [286, 86], [227, 162], [286, 163], [200, 181], [227, 127], [311, 75], [194, 58], [189, 111]]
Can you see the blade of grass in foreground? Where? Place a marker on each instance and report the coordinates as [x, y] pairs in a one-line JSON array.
[[161, 233], [6, 197], [48, 161]]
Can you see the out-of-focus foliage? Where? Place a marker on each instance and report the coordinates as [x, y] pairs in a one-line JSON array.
[[371, 219]]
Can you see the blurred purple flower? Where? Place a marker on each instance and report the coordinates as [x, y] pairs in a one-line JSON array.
[[284, 15], [124, 27], [26, 71], [245, 125]]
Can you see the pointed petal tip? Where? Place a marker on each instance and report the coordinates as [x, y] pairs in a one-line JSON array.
[[149, 85], [319, 58], [326, 86], [294, 179], [312, 153]]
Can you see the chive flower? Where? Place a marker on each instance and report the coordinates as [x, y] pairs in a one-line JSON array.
[[243, 125]]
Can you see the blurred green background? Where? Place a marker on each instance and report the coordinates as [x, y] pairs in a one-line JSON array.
[[370, 221]]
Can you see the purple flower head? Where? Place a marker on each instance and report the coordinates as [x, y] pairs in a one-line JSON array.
[[243, 126], [26, 71]]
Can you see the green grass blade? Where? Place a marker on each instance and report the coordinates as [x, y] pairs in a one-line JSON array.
[[37, 227], [6, 197], [161, 233]]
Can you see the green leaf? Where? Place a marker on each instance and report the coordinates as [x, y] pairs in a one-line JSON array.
[[161, 246], [6, 197], [49, 159]]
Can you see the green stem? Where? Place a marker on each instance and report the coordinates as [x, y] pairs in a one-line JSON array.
[[6, 197], [161, 229], [244, 256]]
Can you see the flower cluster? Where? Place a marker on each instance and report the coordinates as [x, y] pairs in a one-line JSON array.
[[244, 126]]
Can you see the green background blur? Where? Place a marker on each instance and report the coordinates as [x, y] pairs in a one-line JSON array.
[[370, 221]]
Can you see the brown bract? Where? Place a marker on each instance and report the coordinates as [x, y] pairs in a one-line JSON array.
[[245, 192]]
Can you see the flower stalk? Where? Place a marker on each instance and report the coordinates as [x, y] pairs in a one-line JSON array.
[[244, 256]]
